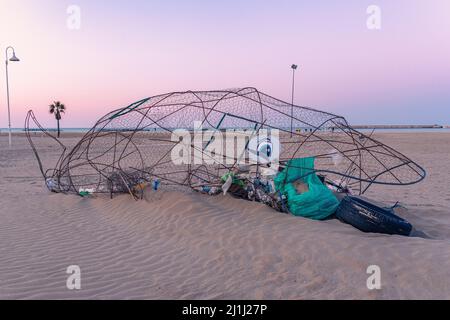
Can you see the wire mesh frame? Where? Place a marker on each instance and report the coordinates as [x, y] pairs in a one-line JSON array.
[[120, 151]]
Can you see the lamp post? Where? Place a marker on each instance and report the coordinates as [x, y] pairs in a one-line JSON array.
[[293, 67], [13, 59]]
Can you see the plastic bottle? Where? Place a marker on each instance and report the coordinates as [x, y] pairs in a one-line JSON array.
[[155, 184]]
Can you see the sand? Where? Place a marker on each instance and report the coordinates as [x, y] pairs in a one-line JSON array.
[[175, 245]]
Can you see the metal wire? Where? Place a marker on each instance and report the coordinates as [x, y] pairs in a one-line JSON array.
[[130, 147]]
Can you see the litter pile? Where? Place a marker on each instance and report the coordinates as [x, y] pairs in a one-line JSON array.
[[320, 166]]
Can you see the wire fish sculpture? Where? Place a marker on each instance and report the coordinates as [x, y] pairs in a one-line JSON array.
[[153, 142]]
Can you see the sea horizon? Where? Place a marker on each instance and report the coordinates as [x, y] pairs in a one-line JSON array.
[[369, 129]]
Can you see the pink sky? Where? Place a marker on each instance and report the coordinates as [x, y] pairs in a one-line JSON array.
[[128, 50]]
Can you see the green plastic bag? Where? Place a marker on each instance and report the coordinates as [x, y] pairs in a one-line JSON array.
[[318, 202]]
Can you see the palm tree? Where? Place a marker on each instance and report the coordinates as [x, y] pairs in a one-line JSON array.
[[57, 108]]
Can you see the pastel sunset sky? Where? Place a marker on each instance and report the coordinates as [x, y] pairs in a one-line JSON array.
[[128, 50]]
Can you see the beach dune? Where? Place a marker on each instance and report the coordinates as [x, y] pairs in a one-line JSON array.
[[185, 245]]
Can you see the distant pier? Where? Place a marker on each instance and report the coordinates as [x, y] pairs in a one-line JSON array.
[[399, 126]]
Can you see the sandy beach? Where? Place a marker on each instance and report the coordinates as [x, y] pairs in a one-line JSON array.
[[185, 245]]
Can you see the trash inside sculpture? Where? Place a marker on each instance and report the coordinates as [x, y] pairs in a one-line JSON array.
[[154, 143]]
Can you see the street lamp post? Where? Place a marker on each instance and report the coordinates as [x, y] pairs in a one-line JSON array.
[[13, 59], [293, 67]]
